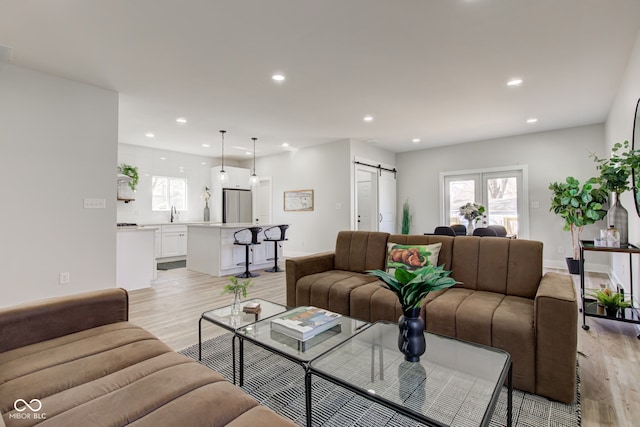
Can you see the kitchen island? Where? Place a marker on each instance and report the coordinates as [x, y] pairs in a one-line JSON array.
[[210, 249]]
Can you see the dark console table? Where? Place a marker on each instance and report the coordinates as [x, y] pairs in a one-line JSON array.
[[590, 305]]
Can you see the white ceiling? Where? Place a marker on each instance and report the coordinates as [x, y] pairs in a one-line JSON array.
[[429, 69]]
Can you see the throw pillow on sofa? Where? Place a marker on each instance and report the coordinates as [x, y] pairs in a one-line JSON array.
[[411, 257]]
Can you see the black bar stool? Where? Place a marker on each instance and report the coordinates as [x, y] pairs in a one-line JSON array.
[[242, 241], [270, 237]]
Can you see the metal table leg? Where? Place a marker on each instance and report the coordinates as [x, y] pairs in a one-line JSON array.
[[510, 395], [307, 392], [233, 357], [200, 339], [241, 360]]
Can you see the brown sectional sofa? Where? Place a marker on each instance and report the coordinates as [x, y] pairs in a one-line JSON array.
[[504, 300], [89, 366]]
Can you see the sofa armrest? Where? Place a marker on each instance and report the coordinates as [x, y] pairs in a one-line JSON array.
[[304, 266], [51, 318], [556, 326]]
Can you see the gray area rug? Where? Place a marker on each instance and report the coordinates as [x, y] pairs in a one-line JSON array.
[[279, 384], [170, 265]]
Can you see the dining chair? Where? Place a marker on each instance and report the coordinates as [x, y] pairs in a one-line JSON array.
[[444, 231], [485, 232]]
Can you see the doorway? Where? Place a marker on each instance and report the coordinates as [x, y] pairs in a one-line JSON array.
[[503, 193], [262, 201], [375, 198]]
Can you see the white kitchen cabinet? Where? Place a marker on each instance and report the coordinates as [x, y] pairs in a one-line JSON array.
[[174, 240], [135, 263]]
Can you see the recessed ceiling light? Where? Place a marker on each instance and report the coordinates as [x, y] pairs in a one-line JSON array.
[[248, 153], [532, 120], [206, 145], [278, 77], [415, 140], [163, 158], [285, 144], [149, 135], [368, 118], [203, 163], [514, 82], [181, 120]]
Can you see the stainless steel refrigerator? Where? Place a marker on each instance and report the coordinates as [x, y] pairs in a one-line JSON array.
[[236, 206]]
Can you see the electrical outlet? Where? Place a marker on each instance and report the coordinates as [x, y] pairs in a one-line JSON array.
[[64, 278]]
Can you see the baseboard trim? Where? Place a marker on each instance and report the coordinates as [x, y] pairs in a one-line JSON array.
[[588, 267]]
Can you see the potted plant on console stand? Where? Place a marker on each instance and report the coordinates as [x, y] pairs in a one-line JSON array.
[[578, 206]]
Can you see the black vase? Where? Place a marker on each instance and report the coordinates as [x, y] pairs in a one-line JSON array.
[[411, 337]]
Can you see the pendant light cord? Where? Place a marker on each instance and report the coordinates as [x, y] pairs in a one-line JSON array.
[[254, 155], [223, 132]]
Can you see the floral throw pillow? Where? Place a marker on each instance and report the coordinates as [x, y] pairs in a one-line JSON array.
[[411, 257]]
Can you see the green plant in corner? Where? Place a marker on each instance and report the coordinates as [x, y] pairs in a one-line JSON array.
[[406, 217], [131, 172], [578, 206], [412, 286]]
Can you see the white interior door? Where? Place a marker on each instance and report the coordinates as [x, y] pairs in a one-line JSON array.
[[386, 201], [366, 200], [263, 201]]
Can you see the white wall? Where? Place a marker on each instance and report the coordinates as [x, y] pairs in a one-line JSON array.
[[149, 163], [58, 142], [550, 156], [619, 127], [324, 169]]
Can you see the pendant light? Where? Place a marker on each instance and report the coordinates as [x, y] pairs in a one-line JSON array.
[[253, 180], [222, 176]]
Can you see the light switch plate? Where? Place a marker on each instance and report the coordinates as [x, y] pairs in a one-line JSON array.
[[95, 203]]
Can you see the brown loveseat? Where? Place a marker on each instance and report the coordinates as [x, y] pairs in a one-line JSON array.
[[87, 366], [504, 300]]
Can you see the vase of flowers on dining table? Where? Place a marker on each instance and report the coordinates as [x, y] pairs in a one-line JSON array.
[[472, 212]]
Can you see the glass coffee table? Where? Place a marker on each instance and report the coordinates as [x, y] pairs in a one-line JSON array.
[[260, 334], [224, 318], [454, 383]]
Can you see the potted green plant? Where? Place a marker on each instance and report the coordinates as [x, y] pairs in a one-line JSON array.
[[411, 287], [472, 212], [238, 290], [611, 301], [579, 206], [406, 217], [131, 172]]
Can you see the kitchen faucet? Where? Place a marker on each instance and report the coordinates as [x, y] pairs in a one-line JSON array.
[[174, 213]]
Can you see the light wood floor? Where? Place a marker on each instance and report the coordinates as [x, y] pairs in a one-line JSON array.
[[609, 353]]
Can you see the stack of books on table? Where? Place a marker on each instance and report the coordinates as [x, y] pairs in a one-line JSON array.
[[304, 323]]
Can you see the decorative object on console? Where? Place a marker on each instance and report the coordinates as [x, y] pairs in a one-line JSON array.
[[206, 196], [614, 177], [254, 180], [578, 206], [238, 290], [611, 301], [222, 176], [411, 287]]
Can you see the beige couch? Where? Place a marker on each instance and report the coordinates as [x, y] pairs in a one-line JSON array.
[[504, 300], [88, 366]]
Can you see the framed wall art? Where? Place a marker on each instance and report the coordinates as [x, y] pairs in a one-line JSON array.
[[298, 200]]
